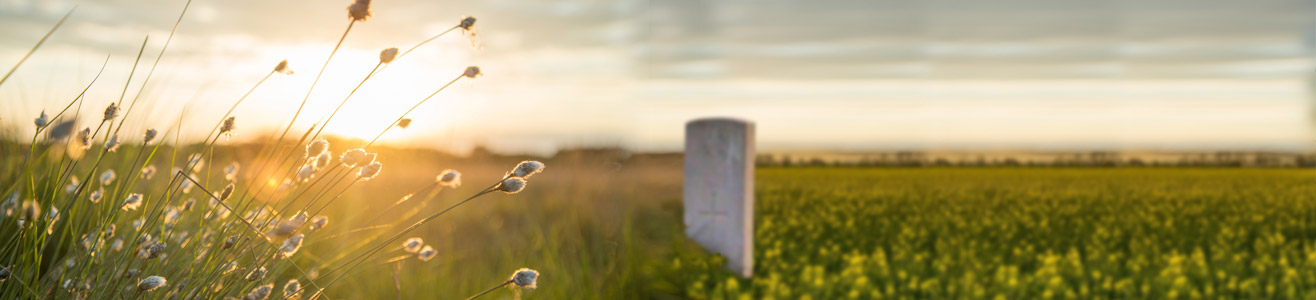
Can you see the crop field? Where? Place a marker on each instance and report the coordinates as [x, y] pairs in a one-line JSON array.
[[1023, 233]]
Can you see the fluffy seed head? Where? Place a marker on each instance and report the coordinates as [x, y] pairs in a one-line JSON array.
[[148, 171], [527, 168], [353, 158], [282, 67], [359, 10], [149, 136], [471, 72], [132, 202], [95, 196], [388, 55], [449, 178], [412, 245], [426, 254], [42, 120], [231, 171], [370, 158], [259, 293], [291, 245], [155, 250], [111, 111], [403, 123], [467, 22], [150, 283], [370, 171], [228, 192], [525, 278], [511, 185], [323, 160], [84, 138], [256, 274], [292, 289], [318, 222], [228, 127], [306, 173], [73, 185], [108, 176], [112, 144], [316, 147]]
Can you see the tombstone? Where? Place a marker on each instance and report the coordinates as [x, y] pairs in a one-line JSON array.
[[719, 189]]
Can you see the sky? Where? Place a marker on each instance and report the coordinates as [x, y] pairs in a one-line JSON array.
[[1199, 75]]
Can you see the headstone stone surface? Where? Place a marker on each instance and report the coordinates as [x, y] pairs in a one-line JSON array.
[[719, 189]]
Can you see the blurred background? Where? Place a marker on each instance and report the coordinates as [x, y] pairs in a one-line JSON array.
[[853, 76]]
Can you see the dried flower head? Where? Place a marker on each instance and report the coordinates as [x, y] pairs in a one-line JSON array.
[[117, 245], [370, 171], [449, 178], [527, 168], [472, 72], [318, 222], [291, 245], [466, 23], [111, 111], [511, 185], [412, 245], [426, 254], [108, 177], [256, 274], [73, 185], [403, 123], [323, 160], [155, 250], [229, 242], [259, 293], [231, 171], [228, 127], [388, 55], [315, 148], [95, 196], [229, 267], [359, 10], [370, 158], [148, 171], [112, 144], [292, 289], [149, 136], [353, 158], [306, 173], [228, 192], [150, 283], [132, 202], [525, 278], [282, 67], [42, 121]]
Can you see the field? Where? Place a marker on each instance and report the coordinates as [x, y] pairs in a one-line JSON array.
[[1012, 233]]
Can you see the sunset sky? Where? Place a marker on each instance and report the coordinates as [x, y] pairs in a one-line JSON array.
[[816, 75]]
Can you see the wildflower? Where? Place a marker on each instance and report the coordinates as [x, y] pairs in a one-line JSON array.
[[256, 274], [359, 10], [525, 278], [471, 72], [149, 136], [466, 23], [228, 127], [95, 196], [527, 168], [259, 293], [84, 138], [403, 123], [150, 283], [107, 177], [412, 245], [148, 171], [42, 120], [323, 160], [291, 245], [231, 171], [426, 254], [111, 111], [132, 203], [282, 67], [315, 148], [292, 289], [388, 55], [353, 158], [318, 222], [306, 173], [112, 144], [369, 171], [449, 178], [511, 185], [228, 192]]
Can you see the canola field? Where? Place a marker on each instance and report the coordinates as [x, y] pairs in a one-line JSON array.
[[1024, 233]]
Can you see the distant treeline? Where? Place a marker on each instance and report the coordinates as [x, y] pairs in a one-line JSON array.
[[1084, 159]]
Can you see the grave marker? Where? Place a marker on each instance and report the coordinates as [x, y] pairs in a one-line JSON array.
[[719, 189]]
